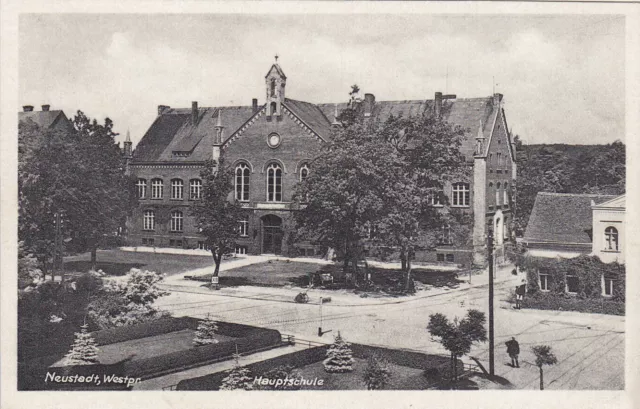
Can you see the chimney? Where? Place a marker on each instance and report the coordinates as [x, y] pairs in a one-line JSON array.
[[254, 104], [369, 101], [46, 107], [27, 108], [497, 98], [162, 108], [194, 112], [438, 104]]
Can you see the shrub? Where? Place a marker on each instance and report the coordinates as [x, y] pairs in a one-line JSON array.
[[205, 333], [565, 302], [339, 356], [237, 378], [282, 373], [377, 373]]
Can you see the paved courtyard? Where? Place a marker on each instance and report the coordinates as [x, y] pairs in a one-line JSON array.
[[590, 344]]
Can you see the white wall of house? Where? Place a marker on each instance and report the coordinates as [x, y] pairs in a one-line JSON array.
[[609, 230]]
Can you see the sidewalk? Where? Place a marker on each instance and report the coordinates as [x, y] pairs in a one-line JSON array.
[[343, 298]]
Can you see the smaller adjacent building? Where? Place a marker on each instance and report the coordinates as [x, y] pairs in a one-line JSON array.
[[46, 118], [569, 225]]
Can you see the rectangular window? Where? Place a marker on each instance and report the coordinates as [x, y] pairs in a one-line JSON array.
[[142, 188], [445, 237], [195, 189], [156, 189], [572, 284], [436, 198], [450, 258], [608, 286], [545, 282], [241, 249], [243, 228], [460, 194], [176, 189], [144, 241], [172, 243], [440, 257], [151, 242], [148, 220], [203, 246]]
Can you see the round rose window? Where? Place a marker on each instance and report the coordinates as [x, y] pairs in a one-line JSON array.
[[273, 140]]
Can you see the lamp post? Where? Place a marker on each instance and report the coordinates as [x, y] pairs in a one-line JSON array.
[[491, 334]]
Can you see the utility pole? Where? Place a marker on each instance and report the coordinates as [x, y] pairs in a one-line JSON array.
[[320, 327], [58, 245], [491, 335]]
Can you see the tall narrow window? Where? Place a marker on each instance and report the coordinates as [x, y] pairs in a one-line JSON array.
[[460, 194], [572, 284], [505, 195], [156, 189], [243, 228], [545, 281], [274, 183], [176, 189], [498, 194], [142, 188], [176, 220], [149, 220], [304, 172], [242, 182], [195, 189], [611, 238]]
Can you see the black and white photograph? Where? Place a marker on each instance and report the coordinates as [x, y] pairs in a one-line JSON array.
[[308, 199]]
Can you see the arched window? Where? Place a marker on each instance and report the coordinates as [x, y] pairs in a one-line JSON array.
[[142, 188], [611, 238], [274, 183], [195, 189], [273, 87], [156, 189], [498, 194], [242, 182], [304, 172], [460, 194], [274, 108], [176, 220], [149, 220], [176, 189]]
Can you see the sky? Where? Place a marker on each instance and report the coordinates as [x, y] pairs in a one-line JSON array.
[[562, 76]]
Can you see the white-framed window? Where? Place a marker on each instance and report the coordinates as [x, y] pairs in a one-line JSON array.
[[460, 194], [176, 220], [195, 189], [176, 189], [445, 237], [572, 284], [545, 281], [274, 183], [149, 220], [156, 188], [241, 249], [243, 228], [242, 182], [607, 286], [142, 188], [611, 239], [436, 198]]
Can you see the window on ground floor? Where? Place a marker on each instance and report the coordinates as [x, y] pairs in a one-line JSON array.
[[148, 241], [440, 257], [175, 243], [607, 286], [241, 249], [545, 281], [572, 284], [450, 258], [202, 245]]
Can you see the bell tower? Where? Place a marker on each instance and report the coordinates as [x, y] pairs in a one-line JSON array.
[[275, 82]]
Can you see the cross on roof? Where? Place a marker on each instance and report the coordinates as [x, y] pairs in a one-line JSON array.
[[276, 58]]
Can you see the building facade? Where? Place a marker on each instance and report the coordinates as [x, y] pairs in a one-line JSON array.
[[271, 147], [609, 230], [46, 118]]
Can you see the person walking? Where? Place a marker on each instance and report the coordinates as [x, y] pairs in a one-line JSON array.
[[513, 349], [520, 290]]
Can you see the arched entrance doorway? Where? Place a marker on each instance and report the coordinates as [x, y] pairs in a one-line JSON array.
[[271, 234]]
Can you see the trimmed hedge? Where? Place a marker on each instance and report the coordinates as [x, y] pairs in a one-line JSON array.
[[298, 359], [564, 302], [147, 329]]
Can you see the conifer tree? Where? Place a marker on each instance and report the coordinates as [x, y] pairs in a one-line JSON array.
[[339, 356], [205, 334], [377, 373], [84, 350], [237, 378]]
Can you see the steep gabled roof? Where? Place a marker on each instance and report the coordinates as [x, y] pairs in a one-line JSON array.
[[44, 119], [278, 69], [311, 115], [618, 202], [562, 218]]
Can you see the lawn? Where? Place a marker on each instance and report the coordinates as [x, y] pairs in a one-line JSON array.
[[274, 273], [402, 377], [117, 262]]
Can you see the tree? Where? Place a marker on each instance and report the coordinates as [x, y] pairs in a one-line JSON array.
[[544, 356], [28, 272], [216, 214], [339, 356], [237, 377], [118, 304], [377, 373], [205, 334], [458, 336], [84, 350]]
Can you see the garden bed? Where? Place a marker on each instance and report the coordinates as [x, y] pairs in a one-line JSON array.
[[565, 302]]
